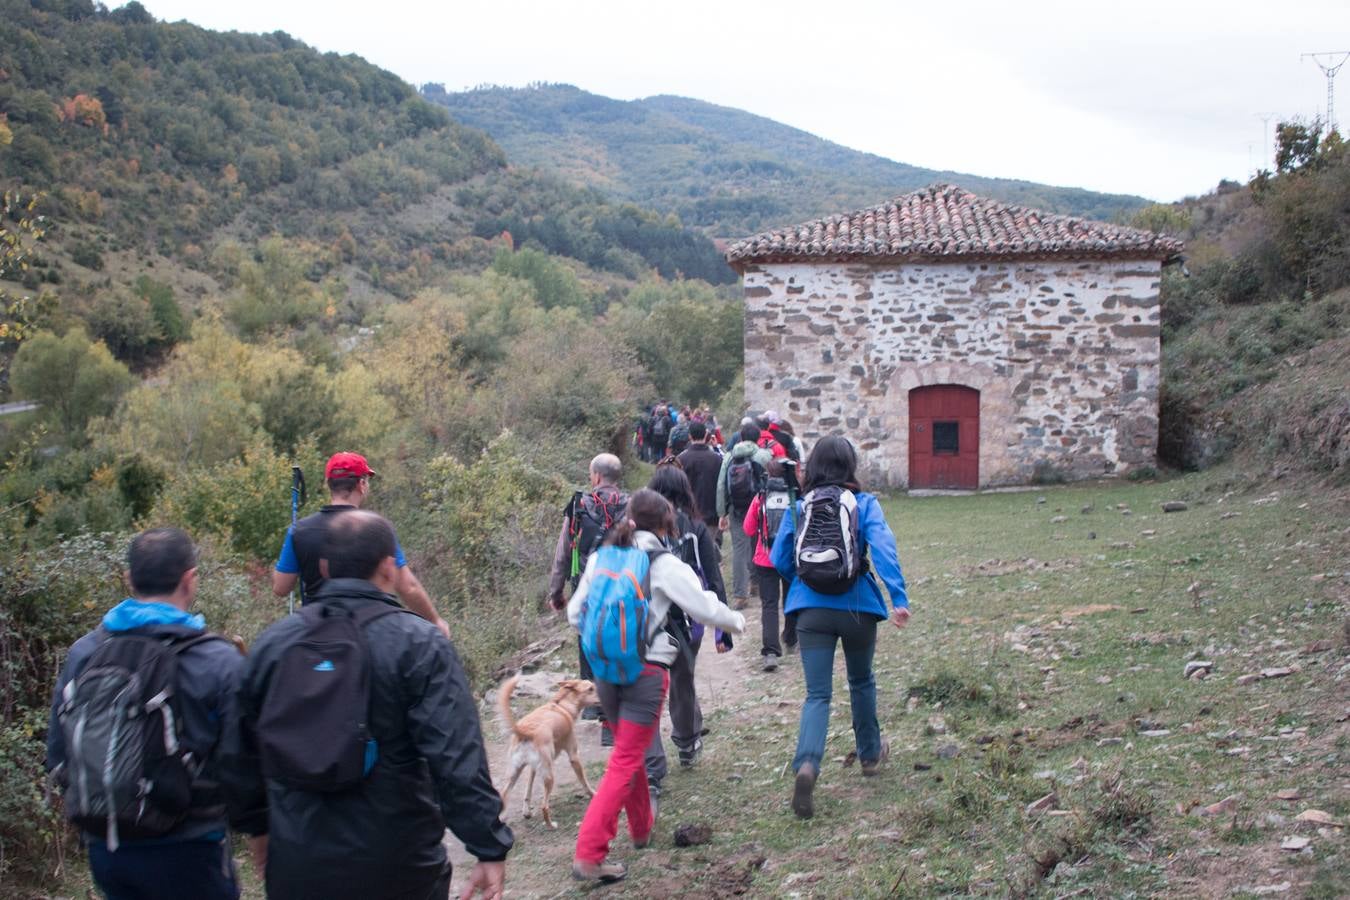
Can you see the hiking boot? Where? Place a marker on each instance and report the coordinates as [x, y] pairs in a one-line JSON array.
[[654, 797], [606, 736], [604, 872], [802, 803], [591, 713], [770, 663], [789, 649], [874, 767], [689, 755], [739, 603]]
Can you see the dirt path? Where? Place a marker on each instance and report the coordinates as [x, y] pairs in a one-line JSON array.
[[729, 684]]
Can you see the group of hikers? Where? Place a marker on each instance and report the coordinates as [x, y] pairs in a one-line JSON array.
[[663, 431], [347, 739]]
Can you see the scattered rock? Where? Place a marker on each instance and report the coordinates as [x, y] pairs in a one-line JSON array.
[[1317, 817], [1198, 668], [1288, 794], [937, 725], [1248, 679], [1296, 844], [922, 767], [912, 704], [1321, 646], [948, 751], [692, 835], [1057, 519], [1048, 802], [1138, 610], [1280, 672], [1110, 742], [1171, 506], [1155, 732], [1267, 890], [1092, 535], [1087, 509], [1147, 532], [1230, 515], [1222, 808], [984, 740], [1040, 499]]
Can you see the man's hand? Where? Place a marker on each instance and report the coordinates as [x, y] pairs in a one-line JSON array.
[[443, 626], [900, 616], [556, 603], [724, 523], [488, 880], [257, 848]]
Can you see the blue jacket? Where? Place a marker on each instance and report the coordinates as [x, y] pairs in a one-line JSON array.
[[208, 674], [865, 596]]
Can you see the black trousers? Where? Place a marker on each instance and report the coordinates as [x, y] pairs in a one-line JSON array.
[[773, 593]]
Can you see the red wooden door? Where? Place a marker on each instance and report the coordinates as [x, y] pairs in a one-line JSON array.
[[944, 437]]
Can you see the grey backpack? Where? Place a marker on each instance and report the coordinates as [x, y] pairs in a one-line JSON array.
[[127, 774]]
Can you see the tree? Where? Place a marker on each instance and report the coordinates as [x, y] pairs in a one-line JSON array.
[[72, 377], [1296, 144], [20, 228]]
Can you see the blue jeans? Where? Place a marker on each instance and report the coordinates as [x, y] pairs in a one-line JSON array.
[[159, 870], [818, 631]]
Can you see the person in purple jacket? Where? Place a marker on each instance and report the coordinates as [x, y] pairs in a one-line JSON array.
[[850, 618]]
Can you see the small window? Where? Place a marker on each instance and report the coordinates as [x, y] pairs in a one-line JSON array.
[[945, 437]]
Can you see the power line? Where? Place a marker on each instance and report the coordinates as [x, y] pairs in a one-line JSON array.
[[1330, 67]]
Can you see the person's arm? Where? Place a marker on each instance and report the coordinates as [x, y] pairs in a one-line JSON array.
[[444, 727], [707, 555], [416, 598], [559, 571], [880, 541], [750, 525], [578, 599], [287, 571], [240, 772], [722, 488], [680, 585]]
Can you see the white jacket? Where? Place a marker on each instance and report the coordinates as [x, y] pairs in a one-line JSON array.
[[671, 582]]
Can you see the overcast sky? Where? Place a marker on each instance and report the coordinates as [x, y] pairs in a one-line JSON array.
[[1147, 97]]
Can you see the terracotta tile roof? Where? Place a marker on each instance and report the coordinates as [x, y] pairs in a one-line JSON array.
[[943, 222]]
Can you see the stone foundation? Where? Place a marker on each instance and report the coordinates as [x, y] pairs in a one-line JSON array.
[[1065, 356]]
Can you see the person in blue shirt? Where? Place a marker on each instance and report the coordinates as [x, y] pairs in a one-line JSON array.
[[850, 618], [348, 476]]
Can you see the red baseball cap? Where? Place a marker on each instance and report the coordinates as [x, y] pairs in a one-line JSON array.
[[347, 465]]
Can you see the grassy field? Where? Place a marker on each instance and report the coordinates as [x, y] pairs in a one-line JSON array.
[[1044, 666], [1047, 651]]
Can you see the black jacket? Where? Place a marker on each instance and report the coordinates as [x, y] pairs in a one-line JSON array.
[[703, 465], [432, 772]]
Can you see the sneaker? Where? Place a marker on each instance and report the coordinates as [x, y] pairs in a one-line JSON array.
[[874, 767], [605, 872], [592, 713], [654, 797], [802, 788], [606, 736], [740, 602], [770, 663], [689, 755]]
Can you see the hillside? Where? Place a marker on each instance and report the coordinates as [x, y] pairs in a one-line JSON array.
[[168, 146], [725, 171]]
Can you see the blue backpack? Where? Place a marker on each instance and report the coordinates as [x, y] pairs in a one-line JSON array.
[[616, 619]]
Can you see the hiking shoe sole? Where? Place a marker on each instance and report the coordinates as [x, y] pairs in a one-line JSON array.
[[770, 663], [802, 789], [690, 755], [605, 873]]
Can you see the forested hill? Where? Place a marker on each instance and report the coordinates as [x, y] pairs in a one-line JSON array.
[[722, 170], [169, 145]]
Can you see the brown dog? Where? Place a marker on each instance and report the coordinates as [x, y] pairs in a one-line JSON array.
[[537, 739]]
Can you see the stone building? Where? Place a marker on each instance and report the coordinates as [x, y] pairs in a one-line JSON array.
[[961, 342]]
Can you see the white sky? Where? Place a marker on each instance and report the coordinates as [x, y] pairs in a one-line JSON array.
[[1145, 97]]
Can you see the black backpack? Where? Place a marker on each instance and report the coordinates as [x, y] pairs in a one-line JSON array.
[[745, 479], [592, 517], [660, 427], [312, 730], [775, 502], [126, 773], [829, 553]]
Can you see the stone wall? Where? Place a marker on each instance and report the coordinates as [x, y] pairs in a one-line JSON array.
[[1065, 356]]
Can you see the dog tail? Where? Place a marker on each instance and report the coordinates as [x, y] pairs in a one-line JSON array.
[[504, 702]]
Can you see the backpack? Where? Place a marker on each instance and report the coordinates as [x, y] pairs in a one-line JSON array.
[[679, 436], [660, 427], [829, 554], [592, 518], [126, 773], [312, 729], [615, 619], [775, 501], [745, 479]]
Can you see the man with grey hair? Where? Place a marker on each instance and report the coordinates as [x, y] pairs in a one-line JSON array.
[[587, 517]]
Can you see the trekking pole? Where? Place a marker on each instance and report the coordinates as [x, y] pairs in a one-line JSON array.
[[297, 501]]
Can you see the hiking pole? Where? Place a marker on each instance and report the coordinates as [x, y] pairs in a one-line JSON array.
[[297, 501]]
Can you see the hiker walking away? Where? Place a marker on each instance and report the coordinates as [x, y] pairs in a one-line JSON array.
[[736, 437], [702, 464], [824, 551], [357, 741], [768, 424], [693, 545], [348, 476], [739, 480], [587, 518], [785, 434], [680, 435], [631, 655], [153, 674], [763, 521], [660, 431]]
